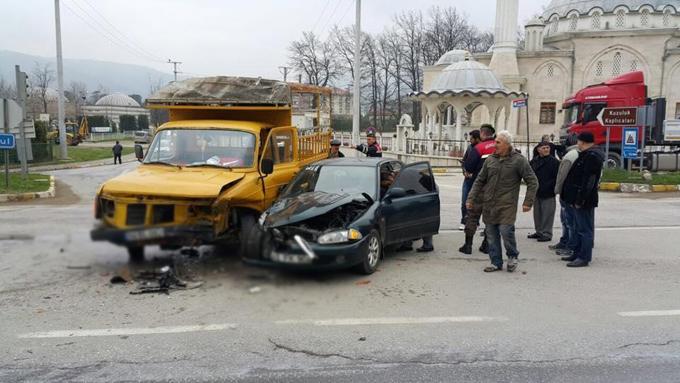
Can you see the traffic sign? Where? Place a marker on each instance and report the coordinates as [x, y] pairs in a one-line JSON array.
[[630, 143], [671, 130], [7, 141], [519, 103], [618, 116], [29, 129], [15, 115]]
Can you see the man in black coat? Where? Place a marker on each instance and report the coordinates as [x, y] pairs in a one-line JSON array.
[[580, 191], [117, 153], [546, 167]]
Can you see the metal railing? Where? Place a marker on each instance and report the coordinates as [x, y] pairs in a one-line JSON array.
[[314, 145], [440, 148], [386, 140], [42, 152]]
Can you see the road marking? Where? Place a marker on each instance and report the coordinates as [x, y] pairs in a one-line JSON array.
[[653, 313], [391, 321], [128, 331]]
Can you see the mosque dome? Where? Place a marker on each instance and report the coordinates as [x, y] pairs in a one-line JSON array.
[[562, 8], [467, 75], [117, 99], [453, 56]]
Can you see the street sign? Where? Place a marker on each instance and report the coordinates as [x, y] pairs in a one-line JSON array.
[[630, 143], [7, 141], [15, 115], [101, 129], [519, 103], [618, 116], [671, 130], [29, 129]]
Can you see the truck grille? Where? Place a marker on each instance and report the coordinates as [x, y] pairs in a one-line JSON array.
[[135, 214], [163, 213]]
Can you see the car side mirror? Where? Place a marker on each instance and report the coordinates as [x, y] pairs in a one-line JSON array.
[[395, 193], [139, 152], [267, 166]]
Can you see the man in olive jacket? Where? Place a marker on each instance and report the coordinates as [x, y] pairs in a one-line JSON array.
[[499, 182]]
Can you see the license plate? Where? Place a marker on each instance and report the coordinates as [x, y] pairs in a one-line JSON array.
[[290, 258], [140, 235]]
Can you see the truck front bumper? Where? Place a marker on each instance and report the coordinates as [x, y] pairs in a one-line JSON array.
[[167, 235]]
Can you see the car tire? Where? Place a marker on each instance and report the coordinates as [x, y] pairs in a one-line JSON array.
[[614, 161], [136, 254], [250, 237], [373, 254]]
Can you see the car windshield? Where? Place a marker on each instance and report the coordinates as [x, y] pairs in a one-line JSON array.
[[571, 114], [334, 179], [209, 147]]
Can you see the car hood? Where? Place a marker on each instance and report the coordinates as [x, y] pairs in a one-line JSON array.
[[172, 182], [303, 207]]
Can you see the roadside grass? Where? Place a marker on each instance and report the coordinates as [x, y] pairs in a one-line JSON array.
[[31, 184], [84, 154], [635, 177]]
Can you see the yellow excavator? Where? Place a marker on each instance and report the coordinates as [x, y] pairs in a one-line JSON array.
[[75, 134]]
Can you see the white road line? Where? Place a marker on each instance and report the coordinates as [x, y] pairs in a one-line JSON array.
[[391, 321], [657, 313], [128, 331]]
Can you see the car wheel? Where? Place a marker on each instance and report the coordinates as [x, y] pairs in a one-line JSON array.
[[136, 254], [613, 161], [373, 254], [250, 237]]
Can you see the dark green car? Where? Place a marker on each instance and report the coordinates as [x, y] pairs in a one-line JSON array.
[[343, 213]]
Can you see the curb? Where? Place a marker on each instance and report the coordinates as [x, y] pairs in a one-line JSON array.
[[637, 188], [50, 193]]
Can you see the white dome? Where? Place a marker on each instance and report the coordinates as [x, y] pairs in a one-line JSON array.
[[562, 8], [453, 56], [467, 75], [117, 99]]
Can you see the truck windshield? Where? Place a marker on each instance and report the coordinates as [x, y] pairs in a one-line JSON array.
[[571, 114], [193, 147], [334, 179]]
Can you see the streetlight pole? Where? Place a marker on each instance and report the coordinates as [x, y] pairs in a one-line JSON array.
[[356, 117], [63, 151]]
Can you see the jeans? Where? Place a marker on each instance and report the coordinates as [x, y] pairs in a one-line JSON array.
[[494, 232], [565, 219], [467, 186], [585, 230]]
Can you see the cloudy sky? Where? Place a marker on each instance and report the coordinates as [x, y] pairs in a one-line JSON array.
[[209, 36]]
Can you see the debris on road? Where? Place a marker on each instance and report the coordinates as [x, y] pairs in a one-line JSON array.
[[361, 283], [162, 281], [255, 290], [362, 339], [85, 267]]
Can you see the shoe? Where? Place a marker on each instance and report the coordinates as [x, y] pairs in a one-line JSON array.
[[461, 227], [564, 252], [569, 259], [492, 268], [577, 263], [534, 236], [512, 264], [557, 246], [484, 248], [425, 249], [466, 249], [544, 239]]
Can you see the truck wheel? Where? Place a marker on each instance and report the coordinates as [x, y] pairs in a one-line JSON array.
[[613, 161], [372, 256], [250, 237], [136, 254]]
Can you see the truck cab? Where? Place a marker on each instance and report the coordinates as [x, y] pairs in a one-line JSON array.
[[221, 160]]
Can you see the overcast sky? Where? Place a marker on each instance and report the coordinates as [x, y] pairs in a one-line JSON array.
[[225, 37]]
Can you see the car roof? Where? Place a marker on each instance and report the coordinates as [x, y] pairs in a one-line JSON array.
[[346, 161]]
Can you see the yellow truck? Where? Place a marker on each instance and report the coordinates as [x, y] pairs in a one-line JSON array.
[[228, 149]]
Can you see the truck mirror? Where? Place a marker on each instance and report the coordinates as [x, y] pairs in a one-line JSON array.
[[139, 152], [267, 166]]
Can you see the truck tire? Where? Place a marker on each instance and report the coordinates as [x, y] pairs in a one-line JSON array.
[[250, 237], [136, 254], [614, 161]]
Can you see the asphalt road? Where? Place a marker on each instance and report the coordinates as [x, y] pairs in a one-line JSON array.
[[425, 318]]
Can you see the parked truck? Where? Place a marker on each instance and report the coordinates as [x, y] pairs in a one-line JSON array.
[[628, 90], [228, 149]]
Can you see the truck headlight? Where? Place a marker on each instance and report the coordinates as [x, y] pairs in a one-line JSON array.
[[262, 218], [339, 237]]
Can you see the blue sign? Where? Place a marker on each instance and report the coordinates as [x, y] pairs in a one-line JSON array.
[[519, 103], [630, 143], [7, 141]]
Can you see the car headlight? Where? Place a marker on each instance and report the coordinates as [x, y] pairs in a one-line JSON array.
[[340, 236], [262, 218]]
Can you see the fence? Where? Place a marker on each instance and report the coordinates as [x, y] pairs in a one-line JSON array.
[[42, 152], [386, 140], [102, 137], [454, 148]]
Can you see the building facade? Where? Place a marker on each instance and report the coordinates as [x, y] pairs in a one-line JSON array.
[[115, 105]]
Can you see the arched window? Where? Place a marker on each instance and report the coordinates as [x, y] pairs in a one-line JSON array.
[[644, 18], [553, 27], [616, 64], [573, 22], [595, 19], [667, 17], [633, 65], [620, 18], [599, 69], [551, 71]]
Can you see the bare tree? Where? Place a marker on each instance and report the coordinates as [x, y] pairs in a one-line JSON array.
[[6, 89], [43, 75], [316, 60], [79, 93]]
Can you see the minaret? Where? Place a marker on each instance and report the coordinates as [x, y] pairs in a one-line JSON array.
[[504, 59]]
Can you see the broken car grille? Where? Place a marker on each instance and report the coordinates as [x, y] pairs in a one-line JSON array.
[[163, 213], [136, 213]]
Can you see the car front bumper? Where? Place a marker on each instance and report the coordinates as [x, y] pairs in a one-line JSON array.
[[166, 235]]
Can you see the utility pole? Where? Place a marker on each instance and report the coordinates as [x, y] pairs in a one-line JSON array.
[[22, 95], [356, 117], [284, 71], [174, 67], [63, 151]]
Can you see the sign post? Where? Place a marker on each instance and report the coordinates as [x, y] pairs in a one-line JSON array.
[[629, 146], [7, 141], [524, 103], [609, 117]]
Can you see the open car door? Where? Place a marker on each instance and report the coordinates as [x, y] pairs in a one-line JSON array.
[[415, 213], [280, 147]]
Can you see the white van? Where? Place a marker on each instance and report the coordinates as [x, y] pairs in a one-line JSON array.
[[142, 137]]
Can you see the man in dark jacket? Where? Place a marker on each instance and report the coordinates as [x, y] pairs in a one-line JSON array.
[[335, 150], [468, 180], [117, 153], [371, 148], [545, 166], [580, 191]]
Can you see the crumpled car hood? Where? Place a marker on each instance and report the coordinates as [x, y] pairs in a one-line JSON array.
[[304, 206]]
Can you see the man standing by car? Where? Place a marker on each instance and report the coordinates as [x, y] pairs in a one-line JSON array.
[[498, 186], [468, 180], [545, 166], [371, 148], [473, 164], [335, 150], [117, 153], [566, 214], [580, 192]]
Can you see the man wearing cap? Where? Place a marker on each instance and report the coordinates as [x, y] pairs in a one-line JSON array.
[[545, 166], [580, 192], [371, 148], [335, 150]]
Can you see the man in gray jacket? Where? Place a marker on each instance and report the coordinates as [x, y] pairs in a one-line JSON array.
[[566, 213], [498, 185]]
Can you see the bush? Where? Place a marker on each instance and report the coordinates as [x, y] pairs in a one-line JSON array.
[[93, 121], [41, 131], [143, 122]]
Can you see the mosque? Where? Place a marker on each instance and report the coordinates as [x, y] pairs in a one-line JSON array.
[[573, 44]]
